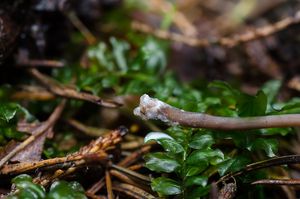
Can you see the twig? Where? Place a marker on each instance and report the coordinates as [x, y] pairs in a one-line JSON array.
[[32, 93], [108, 182], [96, 146], [224, 41], [133, 157], [41, 63], [68, 92], [96, 187], [134, 174], [151, 108], [28, 166], [91, 39], [290, 159], [132, 191], [37, 132], [136, 166], [122, 177], [291, 182], [88, 130]]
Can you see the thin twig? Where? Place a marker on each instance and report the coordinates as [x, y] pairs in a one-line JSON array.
[[91, 39], [110, 194], [37, 132], [291, 182], [122, 177], [29, 166], [151, 108], [96, 186], [133, 157], [41, 63], [132, 191], [68, 92], [234, 40], [88, 130], [289, 159], [133, 174], [32, 93]]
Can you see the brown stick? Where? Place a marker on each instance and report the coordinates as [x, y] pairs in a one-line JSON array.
[[289, 159], [151, 108], [277, 182], [96, 187], [132, 191], [28, 166], [110, 194], [68, 92], [224, 41]]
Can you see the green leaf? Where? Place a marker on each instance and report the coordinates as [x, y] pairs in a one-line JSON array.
[[156, 136], [154, 55], [166, 186], [160, 162], [27, 189], [232, 164], [252, 105], [293, 106], [101, 54], [63, 189], [22, 177], [119, 50], [270, 146], [179, 134], [201, 141], [171, 145], [271, 89], [8, 111], [208, 155], [195, 170], [224, 86], [166, 141], [196, 180]]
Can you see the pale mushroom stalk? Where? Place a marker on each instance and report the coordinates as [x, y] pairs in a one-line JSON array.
[[152, 108]]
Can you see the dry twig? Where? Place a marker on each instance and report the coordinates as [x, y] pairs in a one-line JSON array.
[[289, 159], [232, 41], [110, 194], [151, 108], [132, 191], [291, 182], [68, 92], [88, 130]]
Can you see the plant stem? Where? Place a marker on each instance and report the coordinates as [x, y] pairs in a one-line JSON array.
[[151, 108]]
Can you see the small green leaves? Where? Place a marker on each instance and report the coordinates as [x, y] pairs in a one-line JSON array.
[[156, 136], [166, 186], [208, 155], [154, 55], [160, 162], [171, 145], [201, 141], [8, 111], [196, 180], [166, 141], [119, 50], [232, 164], [252, 105], [268, 145], [63, 189], [27, 189]]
